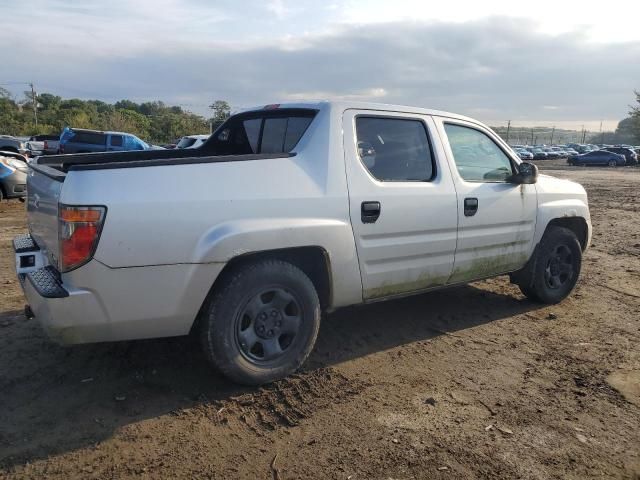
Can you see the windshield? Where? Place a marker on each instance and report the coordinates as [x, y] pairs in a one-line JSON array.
[[186, 142]]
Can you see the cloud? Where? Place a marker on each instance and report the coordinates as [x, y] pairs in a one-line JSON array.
[[494, 69]]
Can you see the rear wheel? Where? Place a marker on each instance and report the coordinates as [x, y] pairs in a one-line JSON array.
[[262, 323], [557, 267]]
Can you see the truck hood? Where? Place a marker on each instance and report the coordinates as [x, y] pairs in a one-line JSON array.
[[548, 185]]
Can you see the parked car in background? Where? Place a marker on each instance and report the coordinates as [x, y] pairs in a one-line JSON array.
[[13, 175], [630, 155], [78, 140], [192, 141], [523, 153], [286, 212], [13, 144], [50, 143], [583, 149], [551, 153], [538, 153], [598, 157], [570, 152], [560, 151]]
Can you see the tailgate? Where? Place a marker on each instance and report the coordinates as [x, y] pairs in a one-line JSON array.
[[44, 185]]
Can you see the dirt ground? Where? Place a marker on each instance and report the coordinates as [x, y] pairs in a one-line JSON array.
[[471, 382]]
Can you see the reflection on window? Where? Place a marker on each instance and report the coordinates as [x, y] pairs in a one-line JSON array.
[[394, 149], [477, 157]]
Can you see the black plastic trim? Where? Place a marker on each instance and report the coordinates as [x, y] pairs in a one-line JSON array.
[[47, 282], [159, 162], [48, 171]]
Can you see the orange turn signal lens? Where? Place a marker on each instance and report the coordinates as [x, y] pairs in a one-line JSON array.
[[80, 214]]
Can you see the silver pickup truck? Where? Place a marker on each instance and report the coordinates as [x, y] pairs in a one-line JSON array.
[[288, 211]]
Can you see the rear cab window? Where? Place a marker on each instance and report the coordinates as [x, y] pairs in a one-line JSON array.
[[93, 138], [255, 132], [395, 149]]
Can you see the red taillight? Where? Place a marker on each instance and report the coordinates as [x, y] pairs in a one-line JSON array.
[[79, 230], [46, 145]]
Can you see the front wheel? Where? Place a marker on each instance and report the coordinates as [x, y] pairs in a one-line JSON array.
[[557, 267], [612, 163], [262, 323]]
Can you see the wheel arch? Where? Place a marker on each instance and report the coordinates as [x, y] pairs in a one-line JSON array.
[[313, 260], [578, 225]]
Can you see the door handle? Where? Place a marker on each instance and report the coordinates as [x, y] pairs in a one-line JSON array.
[[470, 207], [370, 211]]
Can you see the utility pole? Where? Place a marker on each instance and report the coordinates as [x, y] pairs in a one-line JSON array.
[[532, 136], [601, 133], [508, 128], [34, 102], [552, 132]]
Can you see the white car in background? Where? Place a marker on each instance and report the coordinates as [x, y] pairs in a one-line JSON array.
[[192, 141]]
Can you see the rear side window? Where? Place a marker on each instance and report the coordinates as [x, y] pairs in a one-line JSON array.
[[89, 137], [116, 140], [261, 132], [477, 157], [394, 149]]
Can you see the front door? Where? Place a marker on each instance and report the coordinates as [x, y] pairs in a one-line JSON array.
[[402, 202], [496, 218]]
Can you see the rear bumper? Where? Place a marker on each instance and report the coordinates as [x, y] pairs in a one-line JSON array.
[[95, 303], [66, 314]]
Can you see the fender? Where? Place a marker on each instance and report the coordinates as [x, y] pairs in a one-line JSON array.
[[228, 240], [559, 199], [559, 209]]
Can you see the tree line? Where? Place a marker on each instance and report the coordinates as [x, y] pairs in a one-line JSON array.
[[157, 122], [154, 121]]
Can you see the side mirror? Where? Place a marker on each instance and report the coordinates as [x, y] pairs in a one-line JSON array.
[[527, 174]]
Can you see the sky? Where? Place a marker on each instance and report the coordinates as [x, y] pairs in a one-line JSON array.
[[535, 63]]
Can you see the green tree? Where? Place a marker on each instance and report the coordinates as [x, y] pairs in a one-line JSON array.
[[153, 121], [221, 111], [634, 125]]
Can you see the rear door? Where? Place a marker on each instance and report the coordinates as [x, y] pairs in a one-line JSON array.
[[402, 202], [496, 218]]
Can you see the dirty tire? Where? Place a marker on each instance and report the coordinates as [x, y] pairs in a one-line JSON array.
[[245, 297], [557, 269]]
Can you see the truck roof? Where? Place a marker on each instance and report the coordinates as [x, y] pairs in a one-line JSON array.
[[347, 105], [104, 132]]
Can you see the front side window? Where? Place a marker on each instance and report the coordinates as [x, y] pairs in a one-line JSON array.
[[116, 140], [395, 149], [477, 157]]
